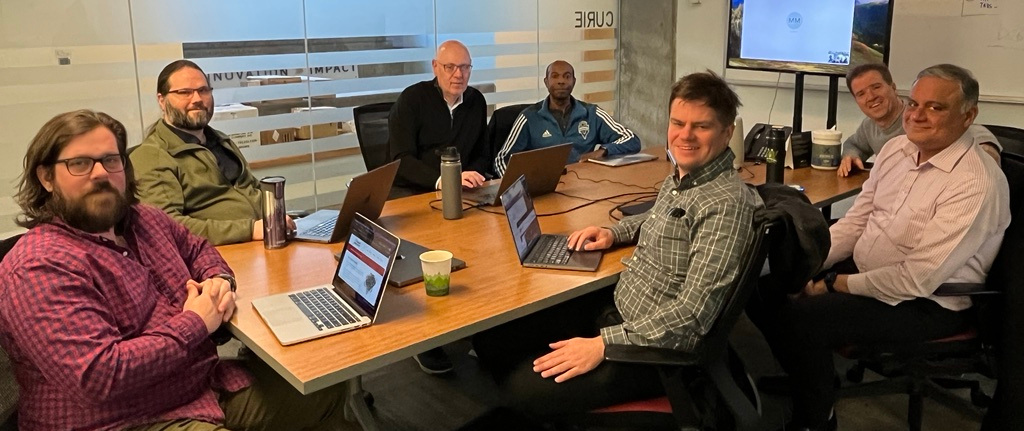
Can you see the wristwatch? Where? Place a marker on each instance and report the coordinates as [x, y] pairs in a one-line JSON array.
[[830, 281], [230, 279]]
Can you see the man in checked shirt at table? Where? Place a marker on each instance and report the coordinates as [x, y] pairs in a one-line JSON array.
[[106, 306], [688, 253]]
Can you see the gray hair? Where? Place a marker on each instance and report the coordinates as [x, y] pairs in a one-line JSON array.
[[963, 77]]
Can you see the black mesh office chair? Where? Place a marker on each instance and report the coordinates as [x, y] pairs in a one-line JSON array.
[[1011, 138], [707, 388], [991, 347], [499, 128], [8, 385], [372, 131]]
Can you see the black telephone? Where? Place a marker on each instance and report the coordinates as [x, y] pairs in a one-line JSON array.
[[755, 144]]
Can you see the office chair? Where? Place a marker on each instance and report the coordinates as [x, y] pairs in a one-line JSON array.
[[931, 367], [699, 383], [8, 384], [498, 129], [1011, 138], [372, 132]]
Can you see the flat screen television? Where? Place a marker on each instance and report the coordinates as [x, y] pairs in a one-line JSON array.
[[816, 37]]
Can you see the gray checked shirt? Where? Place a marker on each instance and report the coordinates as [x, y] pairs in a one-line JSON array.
[[688, 254]]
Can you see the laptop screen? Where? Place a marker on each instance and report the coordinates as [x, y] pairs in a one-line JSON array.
[[522, 217], [365, 264]]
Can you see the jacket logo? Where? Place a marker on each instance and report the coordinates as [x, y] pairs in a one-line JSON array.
[[546, 134], [584, 129]]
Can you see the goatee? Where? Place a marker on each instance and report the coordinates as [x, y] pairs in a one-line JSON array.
[[96, 212]]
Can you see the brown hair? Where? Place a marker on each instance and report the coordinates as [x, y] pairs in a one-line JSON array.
[[857, 71], [46, 147], [711, 89], [162, 86]]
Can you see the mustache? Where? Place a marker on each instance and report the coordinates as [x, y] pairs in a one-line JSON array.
[[103, 186]]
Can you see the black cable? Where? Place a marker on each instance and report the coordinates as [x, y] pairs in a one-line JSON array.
[[603, 180]]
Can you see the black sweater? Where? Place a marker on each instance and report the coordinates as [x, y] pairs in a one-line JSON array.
[[420, 126]]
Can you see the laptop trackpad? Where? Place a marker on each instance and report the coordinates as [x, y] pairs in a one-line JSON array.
[[588, 259]]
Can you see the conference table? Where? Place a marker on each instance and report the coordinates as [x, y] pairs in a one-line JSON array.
[[493, 289]]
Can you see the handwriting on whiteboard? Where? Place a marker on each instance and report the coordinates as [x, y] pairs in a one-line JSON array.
[[1009, 36], [980, 7]]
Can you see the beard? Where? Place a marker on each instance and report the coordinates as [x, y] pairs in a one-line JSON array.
[[98, 211], [182, 120]]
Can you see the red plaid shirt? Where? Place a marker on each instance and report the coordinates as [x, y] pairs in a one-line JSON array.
[[96, 331]]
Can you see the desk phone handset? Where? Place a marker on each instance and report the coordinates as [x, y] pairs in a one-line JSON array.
[[756, 143]]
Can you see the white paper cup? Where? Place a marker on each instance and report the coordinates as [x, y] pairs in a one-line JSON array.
[[437, 269]]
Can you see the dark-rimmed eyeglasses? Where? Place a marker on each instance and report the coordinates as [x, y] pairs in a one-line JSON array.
[[450, 67], [187, 92], [79, 166]]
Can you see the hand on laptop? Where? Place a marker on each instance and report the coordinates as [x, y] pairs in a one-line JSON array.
[[472, 179], [591, 238]]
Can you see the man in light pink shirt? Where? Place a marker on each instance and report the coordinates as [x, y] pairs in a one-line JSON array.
[[933, 211]]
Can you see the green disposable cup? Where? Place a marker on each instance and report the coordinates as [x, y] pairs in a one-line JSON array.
[[437, 268]]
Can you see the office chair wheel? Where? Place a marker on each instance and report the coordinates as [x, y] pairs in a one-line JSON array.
[[855, 374], [368, 397]]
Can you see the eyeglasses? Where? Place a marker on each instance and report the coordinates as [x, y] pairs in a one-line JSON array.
[[187, 92], [79, 166], [450, 68]]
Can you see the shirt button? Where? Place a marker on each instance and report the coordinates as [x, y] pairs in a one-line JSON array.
[[634, 258], [652, 215], [674, 193], [125, 253]]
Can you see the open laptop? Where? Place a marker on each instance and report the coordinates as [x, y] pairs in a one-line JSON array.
[[366, 195], [624, 160], [542, 166], [537, 250], [351, 300]]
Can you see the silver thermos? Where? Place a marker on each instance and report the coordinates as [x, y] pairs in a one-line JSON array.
[[275, 228], [451, 184]]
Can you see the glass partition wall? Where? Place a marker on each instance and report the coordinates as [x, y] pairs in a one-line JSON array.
[[286, 73]]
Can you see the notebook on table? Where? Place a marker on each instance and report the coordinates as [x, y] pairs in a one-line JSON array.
[[366, 195], [351, 301], [542, 166], [627, 159], [537, 249]]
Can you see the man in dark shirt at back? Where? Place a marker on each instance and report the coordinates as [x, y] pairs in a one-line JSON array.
[[432, 115]]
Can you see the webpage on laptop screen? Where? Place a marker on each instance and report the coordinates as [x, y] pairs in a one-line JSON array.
[[363, 269]]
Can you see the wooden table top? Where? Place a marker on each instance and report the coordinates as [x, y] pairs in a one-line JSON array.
[[493, 289]]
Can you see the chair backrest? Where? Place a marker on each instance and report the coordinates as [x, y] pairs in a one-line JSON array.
[[716, 341], [372, 131], [8, 384], [500, 127], [1011, 138]]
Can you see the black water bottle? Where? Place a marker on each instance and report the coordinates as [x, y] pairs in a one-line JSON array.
[[775, 169]]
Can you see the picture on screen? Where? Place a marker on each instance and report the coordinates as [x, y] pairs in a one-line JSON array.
[[821, 37]]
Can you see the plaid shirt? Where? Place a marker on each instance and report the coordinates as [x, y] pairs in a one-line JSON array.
[[688, 253], [96, 331]]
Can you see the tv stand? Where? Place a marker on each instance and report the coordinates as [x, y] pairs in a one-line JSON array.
[[798, 102]]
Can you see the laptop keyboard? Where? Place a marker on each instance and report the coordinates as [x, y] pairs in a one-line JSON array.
[[323, 309], [551, 249], [325, 228]]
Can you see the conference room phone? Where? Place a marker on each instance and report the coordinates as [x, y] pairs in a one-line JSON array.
[[755, 145]]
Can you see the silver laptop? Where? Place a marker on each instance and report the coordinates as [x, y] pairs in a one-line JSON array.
[[624, 160], [366, 195], [542, 166], [537, 250], [351, 301]]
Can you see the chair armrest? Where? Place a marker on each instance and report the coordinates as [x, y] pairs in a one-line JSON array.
[[649, 355], [961, 289]]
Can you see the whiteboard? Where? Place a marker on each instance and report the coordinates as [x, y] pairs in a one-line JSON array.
[[984, 36]]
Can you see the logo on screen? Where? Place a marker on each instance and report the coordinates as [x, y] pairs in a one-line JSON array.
[[794, 20]]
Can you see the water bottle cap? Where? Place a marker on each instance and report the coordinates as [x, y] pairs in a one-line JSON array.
[[450, 154]]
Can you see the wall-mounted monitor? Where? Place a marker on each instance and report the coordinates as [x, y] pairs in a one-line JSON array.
[[818, 37]]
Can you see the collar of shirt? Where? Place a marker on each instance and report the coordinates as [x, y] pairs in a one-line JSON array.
[[120, 229], [703, 174], [946, 160], [451, 108], [211, 138]]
